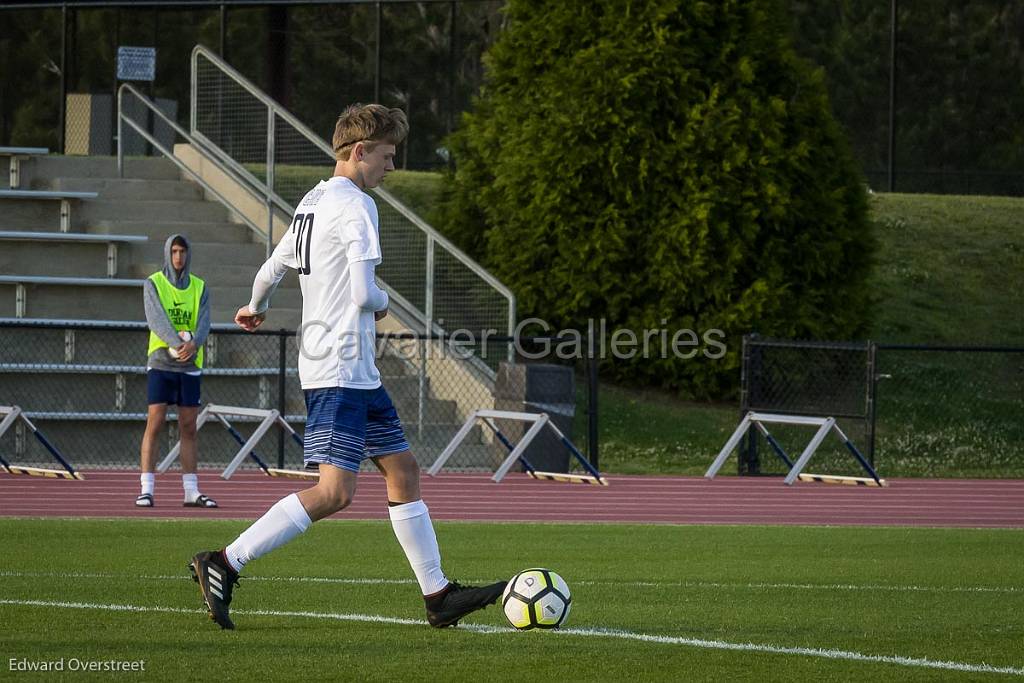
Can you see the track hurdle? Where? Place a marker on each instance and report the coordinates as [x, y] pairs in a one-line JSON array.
[[248, 447], [12, 414], [825, 425], [539, 420]]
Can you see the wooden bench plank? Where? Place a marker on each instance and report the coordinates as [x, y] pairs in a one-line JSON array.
[[77, 281], [24, 151], [17, 154], [28, 235], [46, 194]]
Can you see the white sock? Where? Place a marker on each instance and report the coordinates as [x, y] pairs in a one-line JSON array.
[[285, 520], [411, 522], [190, 482], [148, 480]]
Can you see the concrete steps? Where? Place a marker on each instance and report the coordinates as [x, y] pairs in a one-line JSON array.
[[131, 189], [222, 275], [60, 259], [150, 209], [152, 200], [74, 302], [158, 230], [42, 169]]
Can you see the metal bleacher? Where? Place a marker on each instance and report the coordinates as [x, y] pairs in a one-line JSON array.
[[86, 386]]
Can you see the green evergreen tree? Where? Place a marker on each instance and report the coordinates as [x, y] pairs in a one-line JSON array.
[[662, 163]]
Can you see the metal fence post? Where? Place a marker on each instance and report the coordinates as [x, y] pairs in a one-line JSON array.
[[62, 121], [872, 386], [120, 136], [747, 462], [592, 395], [893, 37], [270, 180], [428, 312], [282, 361]]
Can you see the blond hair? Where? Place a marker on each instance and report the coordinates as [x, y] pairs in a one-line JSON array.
[[369, 123]]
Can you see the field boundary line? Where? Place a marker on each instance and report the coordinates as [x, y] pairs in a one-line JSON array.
[[896, 588], [918, 662]]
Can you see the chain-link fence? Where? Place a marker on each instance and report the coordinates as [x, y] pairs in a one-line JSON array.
[[911, 410], [928, 92], [425, 57], [84, 386], [818, 379], [954, 411]]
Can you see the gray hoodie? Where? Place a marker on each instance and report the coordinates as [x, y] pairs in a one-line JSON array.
[[161, 325]]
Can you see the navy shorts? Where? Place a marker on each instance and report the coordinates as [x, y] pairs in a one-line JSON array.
[[173, 388], [346, 426]]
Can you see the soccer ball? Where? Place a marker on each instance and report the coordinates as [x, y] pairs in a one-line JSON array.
[[536, 598], [186, 336]]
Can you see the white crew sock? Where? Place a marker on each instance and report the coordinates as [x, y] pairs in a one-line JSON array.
[[411, 522], [285, 520], [190, 482], [148, 480]]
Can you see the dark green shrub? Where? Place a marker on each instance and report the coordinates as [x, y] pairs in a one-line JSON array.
[[665, 160]]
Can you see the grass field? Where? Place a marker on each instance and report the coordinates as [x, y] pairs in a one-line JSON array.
[[650, 603]]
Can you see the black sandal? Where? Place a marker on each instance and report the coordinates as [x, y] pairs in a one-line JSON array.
[[201, 502], [144, 501]]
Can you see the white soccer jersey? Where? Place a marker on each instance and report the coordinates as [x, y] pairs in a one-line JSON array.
[[334, 224]]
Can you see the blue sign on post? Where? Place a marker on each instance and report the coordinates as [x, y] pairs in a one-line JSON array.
[[136, 63]]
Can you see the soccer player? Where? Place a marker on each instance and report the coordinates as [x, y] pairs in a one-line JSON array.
[[333, 243], [178, 316]]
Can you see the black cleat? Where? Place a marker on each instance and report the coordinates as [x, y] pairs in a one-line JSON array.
[[216, 579], [456, 601]]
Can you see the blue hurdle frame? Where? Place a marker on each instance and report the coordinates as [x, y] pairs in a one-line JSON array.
[[10, 415]]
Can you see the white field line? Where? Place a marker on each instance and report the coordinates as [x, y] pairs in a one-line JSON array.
[[587, 633], [896, 588]]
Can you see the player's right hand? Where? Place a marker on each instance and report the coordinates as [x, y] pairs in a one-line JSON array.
[[248, 320]]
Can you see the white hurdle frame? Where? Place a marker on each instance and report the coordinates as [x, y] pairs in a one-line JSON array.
[[219, 412], [824, 425], [538, 420]]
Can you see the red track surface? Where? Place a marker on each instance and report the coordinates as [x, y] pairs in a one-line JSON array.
[[638, 499]]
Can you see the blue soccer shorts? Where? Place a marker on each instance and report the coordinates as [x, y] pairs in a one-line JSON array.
[[346, 426], [172, 388]]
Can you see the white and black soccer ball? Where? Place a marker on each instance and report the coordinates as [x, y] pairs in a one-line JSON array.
[[536, 598]]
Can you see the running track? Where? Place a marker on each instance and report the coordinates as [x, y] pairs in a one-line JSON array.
[[637, 499]]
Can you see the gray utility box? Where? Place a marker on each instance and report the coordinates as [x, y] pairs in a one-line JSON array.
[[537, 388]]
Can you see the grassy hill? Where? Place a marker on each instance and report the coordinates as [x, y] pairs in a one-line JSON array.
[[949, 271]]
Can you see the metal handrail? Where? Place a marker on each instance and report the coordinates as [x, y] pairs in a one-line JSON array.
[[127, 87], [272, 198]]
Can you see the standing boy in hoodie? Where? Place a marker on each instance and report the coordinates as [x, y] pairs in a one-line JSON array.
[[178, 315]]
